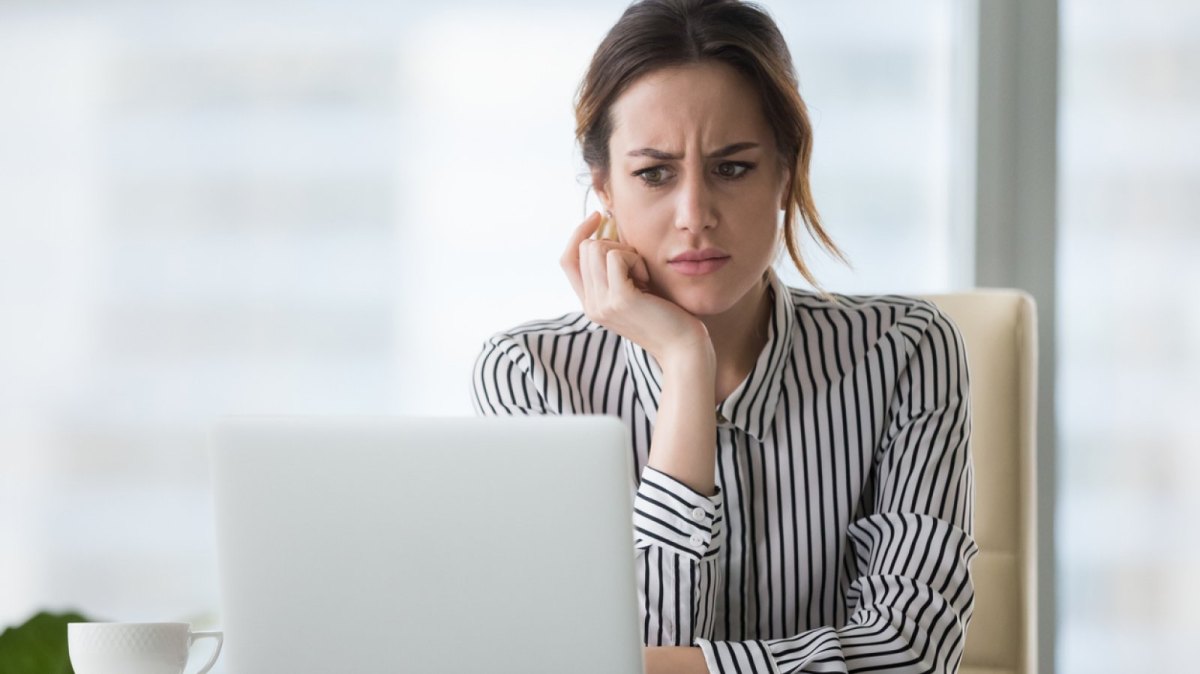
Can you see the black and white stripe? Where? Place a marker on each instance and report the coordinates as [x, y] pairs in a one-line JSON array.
[[839, 539]]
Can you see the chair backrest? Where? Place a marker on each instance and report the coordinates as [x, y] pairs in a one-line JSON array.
[[999, 328]]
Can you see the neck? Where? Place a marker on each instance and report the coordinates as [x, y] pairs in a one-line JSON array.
[[736, 347]]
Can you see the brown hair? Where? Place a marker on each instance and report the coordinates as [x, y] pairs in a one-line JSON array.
[[653, 34]]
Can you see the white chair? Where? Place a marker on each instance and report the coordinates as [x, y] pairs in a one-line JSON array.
[[999, 328]]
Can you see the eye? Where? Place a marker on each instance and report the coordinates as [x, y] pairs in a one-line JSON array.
[[655, 176], [734, 169]]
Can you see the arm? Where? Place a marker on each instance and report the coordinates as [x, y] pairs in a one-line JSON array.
[[677, 512], [684, 443], [913, 597], [674, 660], [677, 508]]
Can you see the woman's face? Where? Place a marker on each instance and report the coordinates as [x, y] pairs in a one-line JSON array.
[[694, 166]]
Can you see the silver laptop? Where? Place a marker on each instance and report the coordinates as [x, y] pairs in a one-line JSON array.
[[425, 545]]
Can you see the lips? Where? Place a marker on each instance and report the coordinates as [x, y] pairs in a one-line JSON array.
[[698, 261], [699, 255], [698, 267]]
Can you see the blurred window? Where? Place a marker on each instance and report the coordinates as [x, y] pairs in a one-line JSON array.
[[1129, 328]]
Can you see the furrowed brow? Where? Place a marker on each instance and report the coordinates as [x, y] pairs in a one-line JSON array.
[[667, 156]]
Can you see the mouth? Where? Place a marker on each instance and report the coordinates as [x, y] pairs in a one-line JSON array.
[[698, 267]]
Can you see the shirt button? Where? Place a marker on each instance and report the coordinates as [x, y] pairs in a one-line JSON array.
[[721, 418], [697, 514], [697, 541]]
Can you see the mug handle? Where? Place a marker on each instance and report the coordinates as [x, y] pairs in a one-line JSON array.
[[193, 637]]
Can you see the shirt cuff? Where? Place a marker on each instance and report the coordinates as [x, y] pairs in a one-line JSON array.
[[747, 657], [669, 513]]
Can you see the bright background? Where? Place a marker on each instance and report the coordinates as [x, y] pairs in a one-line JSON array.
[[306, 207]]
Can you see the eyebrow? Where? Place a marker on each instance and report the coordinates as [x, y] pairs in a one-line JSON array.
[[664, 156]]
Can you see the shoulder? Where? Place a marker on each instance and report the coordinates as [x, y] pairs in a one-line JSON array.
[[533, 367], [536, 340], [908, 316], [534, 331], [901, 326]]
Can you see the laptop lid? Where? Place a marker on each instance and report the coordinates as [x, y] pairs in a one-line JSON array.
[[425, 544]]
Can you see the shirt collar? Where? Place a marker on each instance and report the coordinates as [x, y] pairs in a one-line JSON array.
[[751, 407]]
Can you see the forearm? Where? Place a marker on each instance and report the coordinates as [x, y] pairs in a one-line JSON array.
[[678, 518], [674, 660], [684, 441]]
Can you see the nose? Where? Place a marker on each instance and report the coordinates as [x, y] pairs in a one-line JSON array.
[[695, 209]]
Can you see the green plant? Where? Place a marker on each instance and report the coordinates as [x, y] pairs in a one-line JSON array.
[[39, 646]]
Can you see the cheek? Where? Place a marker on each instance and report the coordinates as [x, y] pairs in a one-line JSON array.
[[644, 244], [641, 199], [636, 208]]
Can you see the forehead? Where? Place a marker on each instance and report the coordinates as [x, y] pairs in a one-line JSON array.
[[707, 104]]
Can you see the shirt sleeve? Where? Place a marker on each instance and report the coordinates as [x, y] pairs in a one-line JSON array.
[[677, 534], [913, 597], [677, 531]]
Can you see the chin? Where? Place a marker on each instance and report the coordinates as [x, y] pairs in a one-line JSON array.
[[700, 301]]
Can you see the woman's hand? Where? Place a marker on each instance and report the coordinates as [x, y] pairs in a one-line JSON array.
[[611, 280]]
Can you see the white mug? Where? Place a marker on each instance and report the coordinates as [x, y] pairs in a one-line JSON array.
[[135, 648]]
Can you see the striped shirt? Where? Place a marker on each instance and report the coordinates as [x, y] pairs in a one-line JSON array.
[[839, 538]]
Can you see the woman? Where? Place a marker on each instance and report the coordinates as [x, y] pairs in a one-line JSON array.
[[820, 520]]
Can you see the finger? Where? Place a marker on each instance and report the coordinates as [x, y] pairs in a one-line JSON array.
[[571, 267], [582, 276], [583, 231], [596, 278], [636, 265], [585, 274], [641, 273], [619, 266], [570, 257]]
